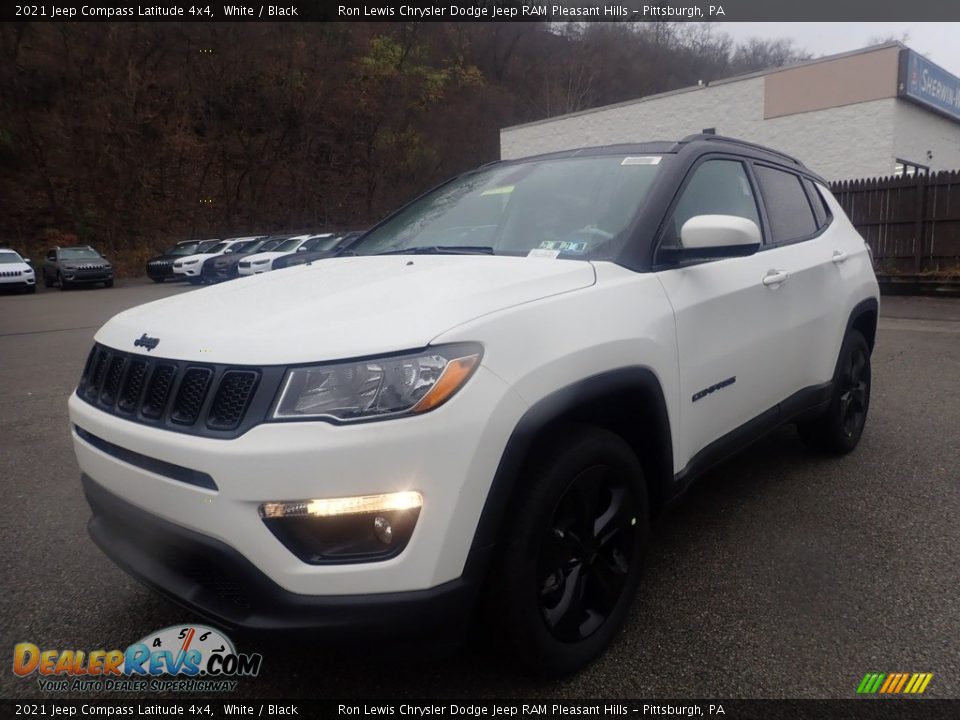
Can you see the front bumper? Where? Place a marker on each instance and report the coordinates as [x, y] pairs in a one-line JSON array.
[[17, 283], [87, 276], [188, 270], [449, 455], [215, 581]]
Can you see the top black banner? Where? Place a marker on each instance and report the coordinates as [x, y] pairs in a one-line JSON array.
[[485, 11]]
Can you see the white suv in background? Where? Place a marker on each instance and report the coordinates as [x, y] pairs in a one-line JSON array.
[[263, 262], [15, 272], [487, 395], [191, 266]]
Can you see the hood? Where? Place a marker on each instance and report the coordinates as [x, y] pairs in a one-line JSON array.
[[298, 258], [199, 256], [340, 308]]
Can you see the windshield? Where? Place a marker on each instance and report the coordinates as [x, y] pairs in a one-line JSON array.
[[243, 247], [269, 245], [7, 257], [213, 249], [577, 206], [289, 245], [321, 244], [185, 248], [79, 254]]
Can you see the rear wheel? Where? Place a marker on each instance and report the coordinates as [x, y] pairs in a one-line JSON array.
[[839, 429], [571, 562]]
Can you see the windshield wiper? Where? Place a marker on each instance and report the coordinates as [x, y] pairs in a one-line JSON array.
[[442, 250]]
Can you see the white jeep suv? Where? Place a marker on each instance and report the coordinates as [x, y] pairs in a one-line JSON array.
[[15, 272], [487, 395], [191, 266]]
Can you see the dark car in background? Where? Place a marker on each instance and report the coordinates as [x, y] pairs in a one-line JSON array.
[[160, 268], [80, 265], [317, 249], [224, 267]]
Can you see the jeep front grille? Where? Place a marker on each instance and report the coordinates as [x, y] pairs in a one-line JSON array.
[[202, 399]]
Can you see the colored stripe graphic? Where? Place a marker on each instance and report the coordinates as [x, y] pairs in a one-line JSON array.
[[894, 683]]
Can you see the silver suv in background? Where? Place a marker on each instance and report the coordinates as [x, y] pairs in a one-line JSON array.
[[79, 265]]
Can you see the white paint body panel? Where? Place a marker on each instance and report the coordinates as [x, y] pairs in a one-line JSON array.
[[191, 265], [544, 325]]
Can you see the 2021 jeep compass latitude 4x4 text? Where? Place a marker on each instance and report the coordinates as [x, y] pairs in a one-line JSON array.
[[482, 401]]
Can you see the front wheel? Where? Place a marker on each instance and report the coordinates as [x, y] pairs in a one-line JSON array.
[[108, 283], [839, 429], [571, 560], [63, 284]]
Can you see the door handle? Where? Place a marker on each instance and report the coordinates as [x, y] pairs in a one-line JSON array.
[[775, 277], [838, 256]]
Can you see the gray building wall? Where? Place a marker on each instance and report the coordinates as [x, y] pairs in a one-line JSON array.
[[860, 139]]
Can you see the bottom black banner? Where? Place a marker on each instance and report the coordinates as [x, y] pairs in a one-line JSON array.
[[470, 709]]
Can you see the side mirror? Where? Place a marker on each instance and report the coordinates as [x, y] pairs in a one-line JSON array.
[[718, 236], [28, 261], [301, 249]]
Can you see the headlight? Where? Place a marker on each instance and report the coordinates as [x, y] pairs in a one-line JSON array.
[[69, 267], [377, 387], [28, 271], [191, 262], [261, 262]]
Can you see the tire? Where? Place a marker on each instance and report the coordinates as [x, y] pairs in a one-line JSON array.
[[61, 283], [840, 427], [157, 280], [31, 289], [194, 280], [108, 284], [560, 590]]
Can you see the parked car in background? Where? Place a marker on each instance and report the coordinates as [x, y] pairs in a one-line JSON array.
[[316, 249], [80, 265], [224, 267], [16, 272], [263, 262], [160, 268], [189, 268]]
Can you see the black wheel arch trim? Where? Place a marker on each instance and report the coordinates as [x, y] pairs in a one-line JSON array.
[[554, 408]]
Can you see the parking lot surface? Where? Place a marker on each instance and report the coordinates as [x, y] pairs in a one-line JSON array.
[[782, 574]]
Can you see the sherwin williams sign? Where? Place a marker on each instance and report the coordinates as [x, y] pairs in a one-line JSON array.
[[929, 84]]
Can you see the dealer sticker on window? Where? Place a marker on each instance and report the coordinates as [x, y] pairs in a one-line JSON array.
[[641, 160]]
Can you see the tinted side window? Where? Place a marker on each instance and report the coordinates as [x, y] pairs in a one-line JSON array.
[[717, 187], [788, 209], [820, 208]]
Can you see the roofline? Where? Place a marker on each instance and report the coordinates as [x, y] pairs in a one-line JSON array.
[[713, 83]]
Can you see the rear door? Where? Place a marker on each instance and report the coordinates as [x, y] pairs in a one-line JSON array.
[[809, 248], [732, 314]]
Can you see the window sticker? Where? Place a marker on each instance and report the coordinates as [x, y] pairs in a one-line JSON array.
[[504, 190], [543, 253], [641, 160], [563, 246]]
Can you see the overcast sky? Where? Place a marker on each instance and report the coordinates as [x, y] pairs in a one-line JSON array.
[[938, 41]]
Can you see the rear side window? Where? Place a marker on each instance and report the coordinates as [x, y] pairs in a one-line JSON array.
[[820, 209], [788, 209]]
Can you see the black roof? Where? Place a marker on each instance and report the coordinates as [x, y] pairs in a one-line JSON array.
[[705, 141]]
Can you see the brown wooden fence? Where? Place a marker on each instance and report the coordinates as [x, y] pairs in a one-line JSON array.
[[911, 223]]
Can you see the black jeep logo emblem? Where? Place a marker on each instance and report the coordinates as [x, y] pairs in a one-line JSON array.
[[146, 342]]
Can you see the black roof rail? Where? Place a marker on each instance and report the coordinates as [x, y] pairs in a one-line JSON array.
[[735, 141]]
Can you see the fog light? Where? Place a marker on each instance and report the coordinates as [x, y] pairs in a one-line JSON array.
[[364, 528], [383, 529]]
